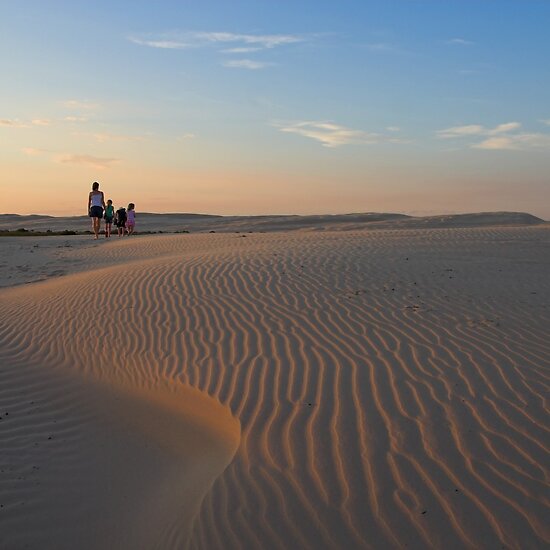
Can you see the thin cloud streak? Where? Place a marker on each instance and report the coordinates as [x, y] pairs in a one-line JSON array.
[[460, 131], [476, 130], [40, 122], [162, 44], [246, 64], [7, 123], [251, 42], [97, 163], [334, 135], [77, 104], [104, 137], [504, 137], [241, 50], [265, 41], [516, 142], [460, 42], [186, 137], [16, 123], [76, 119]]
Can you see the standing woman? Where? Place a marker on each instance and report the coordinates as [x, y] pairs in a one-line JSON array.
[[96, 204]]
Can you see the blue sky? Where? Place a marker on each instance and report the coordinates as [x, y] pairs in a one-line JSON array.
[[277, 107]]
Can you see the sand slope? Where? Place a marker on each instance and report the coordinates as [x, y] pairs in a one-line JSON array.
[[384, 389]]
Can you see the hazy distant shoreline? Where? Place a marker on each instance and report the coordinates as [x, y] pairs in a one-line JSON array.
[[188, 222]]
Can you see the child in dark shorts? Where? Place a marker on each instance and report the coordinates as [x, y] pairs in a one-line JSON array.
[[120, 220], [109, 216]]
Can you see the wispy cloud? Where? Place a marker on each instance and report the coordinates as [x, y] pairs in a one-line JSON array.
[[460, 42], [104, 137], [245, 64], [40, 122], [260, 40], [76, 119], [546, 121], [461, 131], [502, 137], [226, 43], [477, 130], [241, 50], [332, 135], [183, 40], [82, 105], [97, 163], [516, 142], [12, 123], [162, 44], [16, 123], [186, 137], [503, 128]]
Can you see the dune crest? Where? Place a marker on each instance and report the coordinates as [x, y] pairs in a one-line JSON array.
[[203, 223]]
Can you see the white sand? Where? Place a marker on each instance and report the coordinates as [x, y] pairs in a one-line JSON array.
[[380, 389]]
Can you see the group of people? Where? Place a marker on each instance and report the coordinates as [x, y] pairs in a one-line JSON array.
[[124, 219]]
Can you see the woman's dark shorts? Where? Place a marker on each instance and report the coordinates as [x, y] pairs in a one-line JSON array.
[[96, 212]]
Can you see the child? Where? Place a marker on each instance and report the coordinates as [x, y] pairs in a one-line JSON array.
[[120, 220], [131, 218], [109, 215]]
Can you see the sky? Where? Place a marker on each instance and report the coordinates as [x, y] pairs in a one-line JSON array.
[[276, 107]]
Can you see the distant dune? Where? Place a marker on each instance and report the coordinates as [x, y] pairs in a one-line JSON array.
[[342, 222]]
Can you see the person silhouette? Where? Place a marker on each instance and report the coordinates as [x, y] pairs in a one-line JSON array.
[[96, 204]]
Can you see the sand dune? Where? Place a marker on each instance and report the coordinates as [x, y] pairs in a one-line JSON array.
[[350, 389], [202, 223]]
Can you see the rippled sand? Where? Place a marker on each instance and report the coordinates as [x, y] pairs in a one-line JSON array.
[[353, 389]]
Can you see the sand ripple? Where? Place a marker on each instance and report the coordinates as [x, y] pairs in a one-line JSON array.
[[391, 387]]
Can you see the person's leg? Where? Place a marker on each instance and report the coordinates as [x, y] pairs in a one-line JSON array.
[[96, 227]]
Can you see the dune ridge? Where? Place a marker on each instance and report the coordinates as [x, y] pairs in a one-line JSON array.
[[329, 222], [390, 387]]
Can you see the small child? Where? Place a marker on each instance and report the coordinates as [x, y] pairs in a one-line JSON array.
[[109, 215], [131, 223], [120, 220]]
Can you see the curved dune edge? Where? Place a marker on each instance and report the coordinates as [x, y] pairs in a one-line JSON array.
[[390, 388], [89, 465]]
